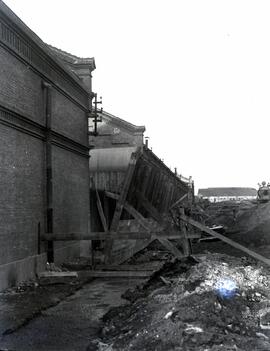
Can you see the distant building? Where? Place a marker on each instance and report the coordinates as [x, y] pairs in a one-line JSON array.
[[116, 132], [227, 194]]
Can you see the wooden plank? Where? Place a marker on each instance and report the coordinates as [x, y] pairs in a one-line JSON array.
[[164, 241], [169, 246], [185, 242], [120, 203], [179, 201], [112, 195], [194, 236], [149, 266], [131, 210], [140, 245], [112, 235], [114, 274], [100, 210], [238, 246], [48, 277], [149, 207], [124, 192]]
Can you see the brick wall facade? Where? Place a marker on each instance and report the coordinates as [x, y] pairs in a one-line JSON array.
[[25, 63]]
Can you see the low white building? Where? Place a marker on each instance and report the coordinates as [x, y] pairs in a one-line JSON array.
[[227, 194]]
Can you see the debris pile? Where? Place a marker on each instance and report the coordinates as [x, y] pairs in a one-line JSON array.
[[255, 225], [227, 213], [217, 303]]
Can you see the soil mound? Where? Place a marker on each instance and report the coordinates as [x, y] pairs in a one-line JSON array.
[[220, 303]]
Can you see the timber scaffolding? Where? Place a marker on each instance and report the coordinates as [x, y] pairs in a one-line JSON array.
[[136, 199]]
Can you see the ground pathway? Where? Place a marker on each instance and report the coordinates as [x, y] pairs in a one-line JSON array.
[[73, 323]]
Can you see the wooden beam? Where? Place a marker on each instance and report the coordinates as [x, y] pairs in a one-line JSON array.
[[124, 192], [223, 238], [156, 215], [149, 207], [186, 244], [100, 209], [140, 245], [179, 201], [112, 235], [120, 203], [131, 210], [112, 195], [149, 266], [173, 249], [48, 277], [114, 274]]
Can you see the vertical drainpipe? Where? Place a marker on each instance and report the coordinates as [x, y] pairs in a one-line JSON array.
[[48, 157]]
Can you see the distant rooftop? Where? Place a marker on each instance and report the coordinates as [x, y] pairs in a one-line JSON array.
[[121, 122], [208, 192], [72, 59]]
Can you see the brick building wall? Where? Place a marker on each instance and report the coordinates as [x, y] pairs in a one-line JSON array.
[[25, 63]]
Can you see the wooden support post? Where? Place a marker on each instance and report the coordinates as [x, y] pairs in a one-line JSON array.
[[39, 240], [131, 210], [100, 209], [149, 207], [156, 215], [120, 203], [179, 201], [223, 238], [186, 241], [173, 249]]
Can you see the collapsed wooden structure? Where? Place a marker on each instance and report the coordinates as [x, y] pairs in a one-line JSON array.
[[136, 199], [132, 202], [132, 193]]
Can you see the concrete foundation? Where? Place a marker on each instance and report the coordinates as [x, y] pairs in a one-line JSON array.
[[13, 273]]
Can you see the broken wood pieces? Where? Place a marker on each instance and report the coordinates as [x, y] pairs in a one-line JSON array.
[[115, 274], [223, 238], [170, 246], [149, 266], [49, 277]]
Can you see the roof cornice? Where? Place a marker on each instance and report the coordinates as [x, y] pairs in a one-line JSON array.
[[122, 123], [36, 44], [72, 59]]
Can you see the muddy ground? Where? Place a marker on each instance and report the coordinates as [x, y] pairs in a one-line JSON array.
[[212, 302], [19, 305], [205, 302], [217, 299]]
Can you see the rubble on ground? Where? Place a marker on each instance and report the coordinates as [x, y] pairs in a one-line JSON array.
[[218, 303], [254, 225]]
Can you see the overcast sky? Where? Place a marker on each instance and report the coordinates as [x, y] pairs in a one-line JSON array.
[[195, 73]]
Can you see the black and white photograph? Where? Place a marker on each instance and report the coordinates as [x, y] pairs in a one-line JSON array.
[[134, 175]]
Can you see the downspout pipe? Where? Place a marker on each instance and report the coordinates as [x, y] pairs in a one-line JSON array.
[[49, 177]]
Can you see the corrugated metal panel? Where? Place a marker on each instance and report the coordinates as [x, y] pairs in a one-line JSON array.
[[111, 159]]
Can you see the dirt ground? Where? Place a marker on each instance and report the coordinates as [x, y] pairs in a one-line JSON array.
[[19, 305], [214, 302], [218, 299]]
